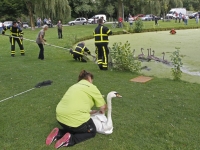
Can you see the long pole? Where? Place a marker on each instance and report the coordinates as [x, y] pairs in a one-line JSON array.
[[94, 58], [39, 85], [16, 95], [35, 41]]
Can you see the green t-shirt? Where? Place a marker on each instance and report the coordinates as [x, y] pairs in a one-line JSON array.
[[74, 108]]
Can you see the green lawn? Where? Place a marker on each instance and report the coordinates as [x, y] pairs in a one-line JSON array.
[[158, 115]]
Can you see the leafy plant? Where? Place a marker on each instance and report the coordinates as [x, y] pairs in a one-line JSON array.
[[138, 26], [123, 58], [177, 64], [129, 28]]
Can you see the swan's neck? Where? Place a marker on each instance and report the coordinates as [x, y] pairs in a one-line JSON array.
[[109, 105]]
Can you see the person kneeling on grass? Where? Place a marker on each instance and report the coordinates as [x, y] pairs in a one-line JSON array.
[[79, 52], [73, 113]]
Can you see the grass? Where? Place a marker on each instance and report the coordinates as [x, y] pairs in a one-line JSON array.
[[160, 114]]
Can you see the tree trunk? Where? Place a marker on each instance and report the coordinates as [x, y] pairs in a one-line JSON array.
[[120, 9], [30, 12]]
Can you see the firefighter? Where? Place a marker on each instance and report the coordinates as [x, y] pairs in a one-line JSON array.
[[16, 35], [101, 42], [79, 52]]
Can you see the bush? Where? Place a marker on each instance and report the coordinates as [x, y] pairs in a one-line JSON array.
[[130, 28], [177, 64], [123, 59], [138, 26]]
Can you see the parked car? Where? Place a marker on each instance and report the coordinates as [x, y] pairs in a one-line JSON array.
[[95, 18], [25, 25], [193, 15], [148, 17], [7, 23], [78, 21]]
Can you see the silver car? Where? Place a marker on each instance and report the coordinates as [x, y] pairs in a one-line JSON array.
[[7, 23], [78, 21], [148, 17]]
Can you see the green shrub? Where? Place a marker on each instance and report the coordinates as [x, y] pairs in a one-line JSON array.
[[122, 58], [129, 28], [138, 26], [177, 64]]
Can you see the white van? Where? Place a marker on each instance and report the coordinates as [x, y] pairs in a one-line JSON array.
[[173, 11], [95, 18]]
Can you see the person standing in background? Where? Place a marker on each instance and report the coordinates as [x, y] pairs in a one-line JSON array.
[[197, 18], [19, 24], [39, 22], [180, 17], [186, 20], [41, 41], [156, 20], [130, 20], [59, 25], [1, 27], [120, 21]]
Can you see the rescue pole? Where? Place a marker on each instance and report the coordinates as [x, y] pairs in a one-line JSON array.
[[39, 85], [94, 58]]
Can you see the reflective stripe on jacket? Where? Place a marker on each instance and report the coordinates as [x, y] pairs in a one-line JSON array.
[[101, 34], [14, 31], [80, 49]]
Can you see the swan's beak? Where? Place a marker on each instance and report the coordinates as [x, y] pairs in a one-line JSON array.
[[118, 95]]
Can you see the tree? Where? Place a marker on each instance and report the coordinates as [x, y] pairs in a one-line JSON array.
[[120, 8], [164, 7], [81, 8], [191, 4], [54, 9], [156, 8], [58, 9], [110, 10], [30, 7], [179, 3], [12, 9]]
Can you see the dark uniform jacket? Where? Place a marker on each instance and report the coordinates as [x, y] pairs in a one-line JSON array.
[[80, 49], [101, 35], [15, 31]]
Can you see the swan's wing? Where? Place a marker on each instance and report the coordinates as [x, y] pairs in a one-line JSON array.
[[106, 132], [99, 116], [109, 131], [98, 124], [102, 117]]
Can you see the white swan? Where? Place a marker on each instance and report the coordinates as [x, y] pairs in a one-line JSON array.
[[104, 125]]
